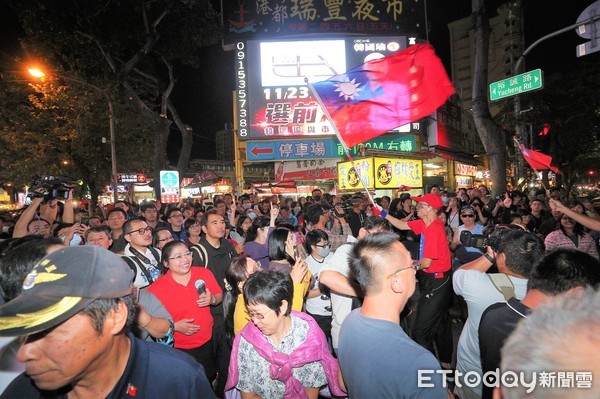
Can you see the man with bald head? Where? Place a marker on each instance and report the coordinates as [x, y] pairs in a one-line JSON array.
[[372, 334]]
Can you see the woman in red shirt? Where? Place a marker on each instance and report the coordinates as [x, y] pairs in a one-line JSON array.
[[188, 293]]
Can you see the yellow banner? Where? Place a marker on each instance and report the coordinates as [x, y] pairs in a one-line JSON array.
[[394, 172], [348, 177]]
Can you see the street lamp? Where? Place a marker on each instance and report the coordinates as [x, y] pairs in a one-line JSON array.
[[37, 73]]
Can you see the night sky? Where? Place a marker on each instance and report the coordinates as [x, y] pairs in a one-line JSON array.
[[204, 97]]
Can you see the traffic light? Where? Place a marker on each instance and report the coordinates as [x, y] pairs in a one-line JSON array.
[[540, 137]]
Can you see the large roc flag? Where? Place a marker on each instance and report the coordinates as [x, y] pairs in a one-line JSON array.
[[386, 93]]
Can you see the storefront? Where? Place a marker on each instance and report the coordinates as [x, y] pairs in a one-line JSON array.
[[385, 175], [464, 175]]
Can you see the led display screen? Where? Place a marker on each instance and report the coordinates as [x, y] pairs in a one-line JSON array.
[[273, 100]]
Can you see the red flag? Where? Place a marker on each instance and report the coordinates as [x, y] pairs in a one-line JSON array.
[[131, 390], [403, 188], [545, 130], [386, 93], [537, 160]]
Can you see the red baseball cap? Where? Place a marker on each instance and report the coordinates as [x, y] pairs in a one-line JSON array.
[[431, 199]]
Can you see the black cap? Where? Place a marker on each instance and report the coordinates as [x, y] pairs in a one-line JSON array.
[[62, 284]]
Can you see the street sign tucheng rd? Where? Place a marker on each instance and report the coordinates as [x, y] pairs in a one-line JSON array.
[[518, 84]]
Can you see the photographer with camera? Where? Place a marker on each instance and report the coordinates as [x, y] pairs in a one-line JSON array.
[[27, 225], [513, 251], [319, 214], [45, 192]]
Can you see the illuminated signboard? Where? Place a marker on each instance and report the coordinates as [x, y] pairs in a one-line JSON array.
[[255, 18], [350, 176], [273, 101], [394, 172], [316, 148], [313, 169], [169, 187], [464, 169], [380, 173], [131, 178]]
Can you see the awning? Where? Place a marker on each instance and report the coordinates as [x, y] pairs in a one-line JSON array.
[[459, 157], [204, 178]]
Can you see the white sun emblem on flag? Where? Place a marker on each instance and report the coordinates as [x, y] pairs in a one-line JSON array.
[[348, 89]]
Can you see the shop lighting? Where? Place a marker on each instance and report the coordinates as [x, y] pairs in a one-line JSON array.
[[432, 166]]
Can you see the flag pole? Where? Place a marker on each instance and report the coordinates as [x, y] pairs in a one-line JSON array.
[[534, 169], [312, 90]]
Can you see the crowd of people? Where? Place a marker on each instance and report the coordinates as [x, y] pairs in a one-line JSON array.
[[324, 296]]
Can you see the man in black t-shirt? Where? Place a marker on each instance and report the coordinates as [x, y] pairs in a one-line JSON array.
[[356, 217], [557, 272], [215, 253]]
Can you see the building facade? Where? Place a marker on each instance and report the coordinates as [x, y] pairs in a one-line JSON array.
[[507, 41]]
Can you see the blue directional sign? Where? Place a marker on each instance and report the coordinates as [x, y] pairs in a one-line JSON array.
[[281, 150]]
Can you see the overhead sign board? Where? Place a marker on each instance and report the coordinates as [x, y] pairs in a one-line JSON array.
[[244, 19], [590, 30], [518, 84], [321, 148]]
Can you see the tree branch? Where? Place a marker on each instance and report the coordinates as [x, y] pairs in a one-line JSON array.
[[107, 56], [167, 92]]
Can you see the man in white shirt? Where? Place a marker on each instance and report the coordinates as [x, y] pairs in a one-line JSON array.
[[335, 275], [514, 255]]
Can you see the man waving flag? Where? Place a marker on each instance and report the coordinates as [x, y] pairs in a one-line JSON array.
[[386, 93]]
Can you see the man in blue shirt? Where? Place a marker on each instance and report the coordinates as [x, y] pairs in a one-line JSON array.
[[377, 359], [286, 215]]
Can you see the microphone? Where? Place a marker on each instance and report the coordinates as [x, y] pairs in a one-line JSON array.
[[200, 287]]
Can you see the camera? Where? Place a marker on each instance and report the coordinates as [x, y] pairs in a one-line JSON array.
[[345, 205], [469, 239], [492, 236], [50, 187], [502, 197]]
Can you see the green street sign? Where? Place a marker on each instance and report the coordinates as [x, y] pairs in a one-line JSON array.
[[519, 84]]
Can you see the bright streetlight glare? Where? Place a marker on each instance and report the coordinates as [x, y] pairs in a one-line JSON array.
[[36, 73]]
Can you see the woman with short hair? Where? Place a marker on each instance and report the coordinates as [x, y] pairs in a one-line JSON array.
[[282, 353], [188, 293]]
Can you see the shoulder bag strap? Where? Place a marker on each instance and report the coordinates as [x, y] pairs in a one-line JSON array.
[[503, 284]]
